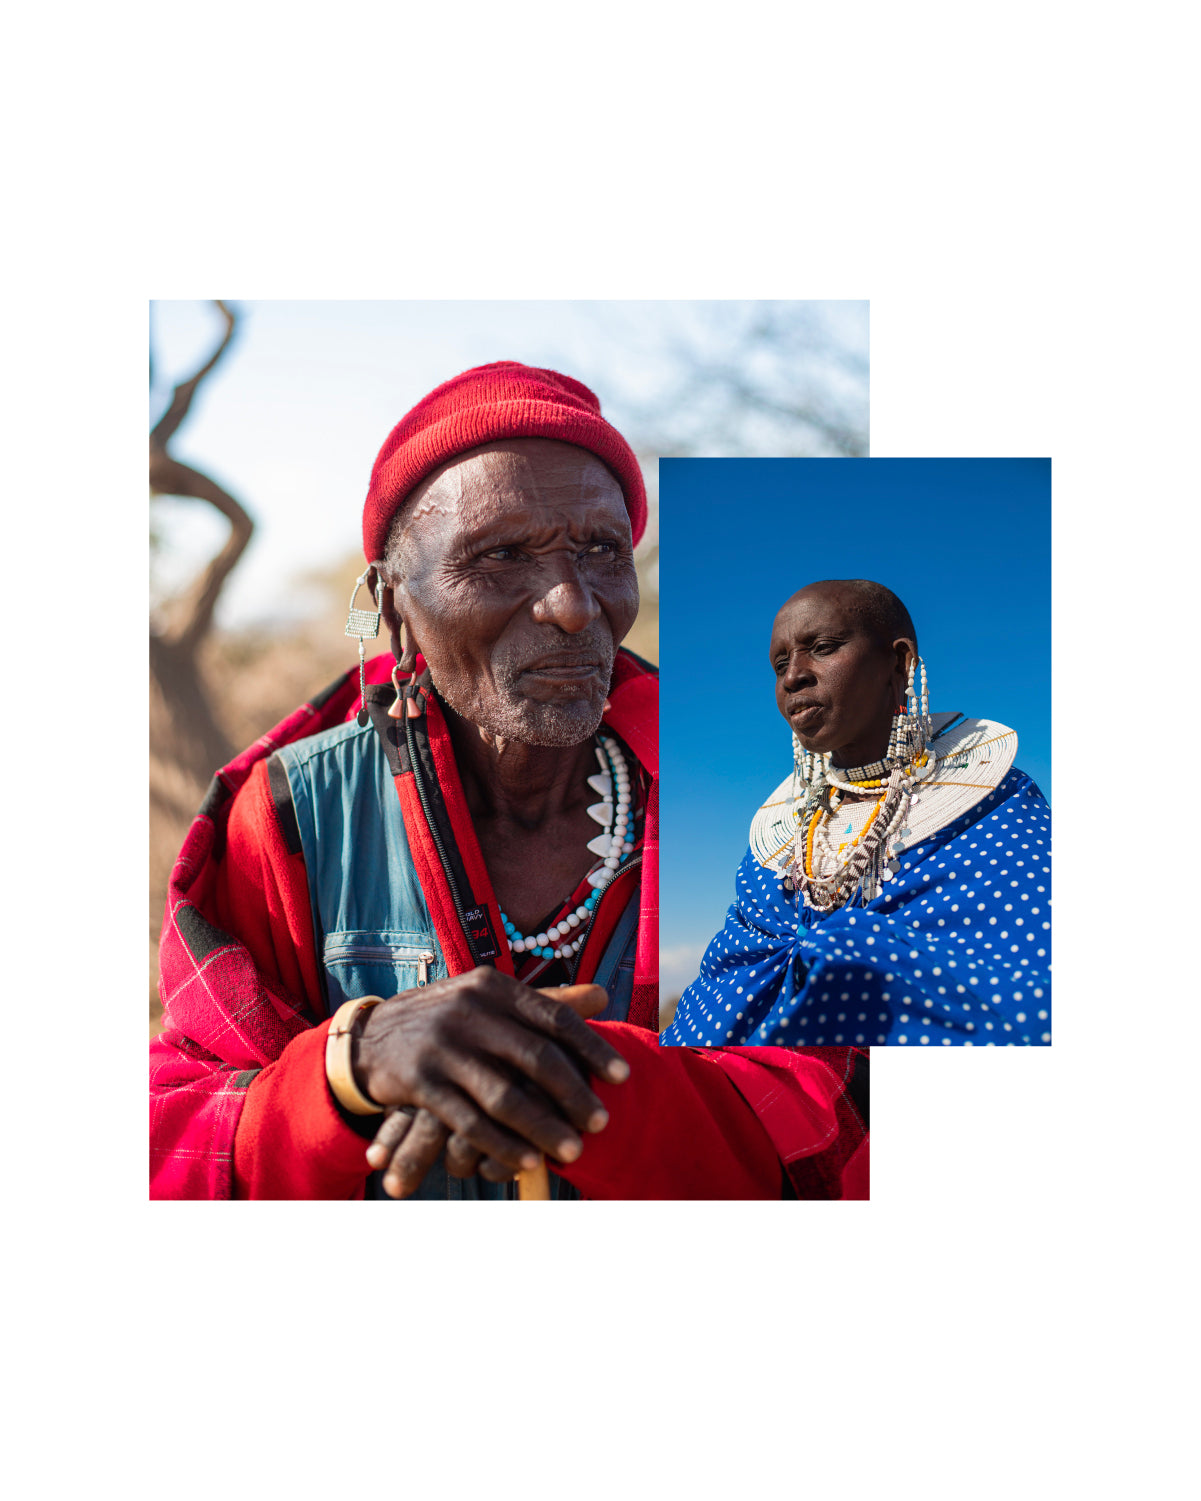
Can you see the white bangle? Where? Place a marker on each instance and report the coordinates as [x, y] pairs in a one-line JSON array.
[[338, 1071]]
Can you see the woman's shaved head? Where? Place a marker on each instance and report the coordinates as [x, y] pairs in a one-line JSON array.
[[877, 607]]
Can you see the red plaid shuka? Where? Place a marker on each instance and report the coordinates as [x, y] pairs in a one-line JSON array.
[[239, 1104]]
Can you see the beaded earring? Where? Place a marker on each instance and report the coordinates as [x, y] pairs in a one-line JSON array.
[[894, 734], [911, 726], [917, 711], [810, 784], [363, 625]]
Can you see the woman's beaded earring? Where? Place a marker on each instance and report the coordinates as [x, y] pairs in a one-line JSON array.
[[894, 735], [916, 725]]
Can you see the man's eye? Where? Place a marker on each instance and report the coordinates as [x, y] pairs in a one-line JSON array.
[[500, 554], [599, 548]]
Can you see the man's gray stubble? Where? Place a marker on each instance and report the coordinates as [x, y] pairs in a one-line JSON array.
[[514, 717]]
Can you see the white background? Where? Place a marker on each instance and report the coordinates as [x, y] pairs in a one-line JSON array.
[[1009, 186]]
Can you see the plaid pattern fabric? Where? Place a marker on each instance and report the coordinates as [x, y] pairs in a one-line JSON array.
[[813, 1103], [839, 1169], [222, 1021]]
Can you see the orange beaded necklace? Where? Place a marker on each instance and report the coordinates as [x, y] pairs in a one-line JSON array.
[[817, 818]]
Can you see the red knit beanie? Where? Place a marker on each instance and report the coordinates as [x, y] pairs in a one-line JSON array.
[[502, 400]]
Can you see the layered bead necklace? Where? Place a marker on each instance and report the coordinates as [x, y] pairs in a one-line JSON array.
[[871, 856], [613, 844]]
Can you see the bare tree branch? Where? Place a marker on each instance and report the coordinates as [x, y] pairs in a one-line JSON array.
[[190, 615], [740, 379], [181, 398]]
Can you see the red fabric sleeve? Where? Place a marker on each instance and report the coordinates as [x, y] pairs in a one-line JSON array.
[[292, 1142], [678, 1129]]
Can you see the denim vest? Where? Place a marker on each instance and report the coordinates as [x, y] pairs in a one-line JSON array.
[[370, 918]]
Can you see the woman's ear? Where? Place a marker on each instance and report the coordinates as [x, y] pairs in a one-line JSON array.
[[905, 651]]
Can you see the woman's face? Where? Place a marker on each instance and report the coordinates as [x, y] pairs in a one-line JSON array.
[[517, 585], [837, 684]]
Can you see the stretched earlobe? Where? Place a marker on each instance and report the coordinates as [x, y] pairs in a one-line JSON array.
[[406, 657], [405, 649]]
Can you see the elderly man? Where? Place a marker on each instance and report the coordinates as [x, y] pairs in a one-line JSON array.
[[373, 913]]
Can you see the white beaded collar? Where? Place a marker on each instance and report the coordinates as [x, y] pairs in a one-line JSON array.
[[972, 758]]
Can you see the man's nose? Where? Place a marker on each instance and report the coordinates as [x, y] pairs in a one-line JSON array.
[[567, 601]]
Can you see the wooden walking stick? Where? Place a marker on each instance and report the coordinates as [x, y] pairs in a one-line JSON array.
[[534, 1182]]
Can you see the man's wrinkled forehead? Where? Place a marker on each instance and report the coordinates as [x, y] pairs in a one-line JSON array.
[[520, 473]]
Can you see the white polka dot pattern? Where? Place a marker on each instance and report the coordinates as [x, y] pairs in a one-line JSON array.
[[955, 951]]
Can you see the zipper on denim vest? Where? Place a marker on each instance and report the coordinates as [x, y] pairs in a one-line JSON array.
[[384, 953]]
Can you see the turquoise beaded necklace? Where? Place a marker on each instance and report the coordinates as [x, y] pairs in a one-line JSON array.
[[613, 813]]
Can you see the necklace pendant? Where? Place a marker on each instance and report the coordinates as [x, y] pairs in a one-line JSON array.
[[602, 813], [602, 784], [602, 845]]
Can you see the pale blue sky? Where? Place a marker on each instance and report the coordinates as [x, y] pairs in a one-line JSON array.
[[292, 418]]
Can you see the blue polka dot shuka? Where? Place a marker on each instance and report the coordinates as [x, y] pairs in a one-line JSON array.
[[906, 902]]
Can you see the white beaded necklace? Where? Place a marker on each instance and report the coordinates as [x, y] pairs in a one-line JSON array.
[[872, 856], [613, 779]]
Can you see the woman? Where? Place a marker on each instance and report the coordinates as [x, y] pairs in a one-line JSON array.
[[897, 885]]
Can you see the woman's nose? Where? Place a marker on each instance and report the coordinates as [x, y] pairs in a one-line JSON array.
[[797, 674]]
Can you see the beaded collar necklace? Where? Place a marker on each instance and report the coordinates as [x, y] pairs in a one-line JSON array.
[[876, 770], [612, 782], [966, 761]]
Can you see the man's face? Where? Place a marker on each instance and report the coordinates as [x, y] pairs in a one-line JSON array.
[[518, 586], [837, 685]]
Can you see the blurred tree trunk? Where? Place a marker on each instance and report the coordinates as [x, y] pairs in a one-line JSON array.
[[187, 744]]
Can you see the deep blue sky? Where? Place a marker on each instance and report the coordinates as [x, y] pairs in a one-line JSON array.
[[966, 543]]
